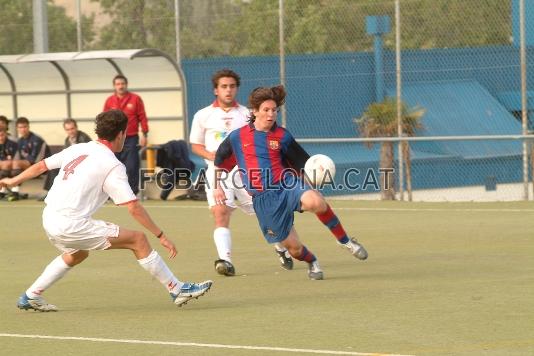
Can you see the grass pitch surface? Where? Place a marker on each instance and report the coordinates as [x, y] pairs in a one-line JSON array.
[[441, 279]]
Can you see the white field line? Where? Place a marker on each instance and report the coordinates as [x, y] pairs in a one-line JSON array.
[[148, 206], [194, 344]]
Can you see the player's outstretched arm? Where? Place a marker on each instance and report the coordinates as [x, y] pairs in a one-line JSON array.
[[33, 171], [200, 150], [138, 212]]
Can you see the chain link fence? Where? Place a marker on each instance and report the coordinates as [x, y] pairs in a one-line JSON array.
[[460, 67]]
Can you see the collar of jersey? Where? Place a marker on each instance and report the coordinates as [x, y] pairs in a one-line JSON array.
[[252, 127], [105, 143], [215, 104]]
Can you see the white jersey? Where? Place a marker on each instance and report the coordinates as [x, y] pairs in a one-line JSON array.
[[212, 125], [89, 174]]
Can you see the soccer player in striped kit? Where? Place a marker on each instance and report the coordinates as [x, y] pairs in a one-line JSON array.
[[264, 151], [211, 125]]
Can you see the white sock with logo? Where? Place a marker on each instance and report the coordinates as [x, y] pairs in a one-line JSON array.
[[154, 265], [223, 242], [51, 274]]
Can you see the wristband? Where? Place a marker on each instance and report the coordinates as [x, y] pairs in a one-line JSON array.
[[160, 234]]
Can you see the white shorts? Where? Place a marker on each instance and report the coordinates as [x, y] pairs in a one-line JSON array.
[[233, 189], [70, 236]]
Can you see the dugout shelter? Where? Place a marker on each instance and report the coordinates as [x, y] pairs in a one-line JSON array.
[[50, 87]]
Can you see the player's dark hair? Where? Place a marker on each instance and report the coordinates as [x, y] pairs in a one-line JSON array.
[[225, 73], [262, 94], [22, 120], [120, 76], [110, 123], [4, 119], [70, 121]]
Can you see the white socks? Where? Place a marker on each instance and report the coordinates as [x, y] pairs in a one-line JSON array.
[[51, 274], [15, 189], [58, 268], [154, 265], [223, 242], [279, 247]]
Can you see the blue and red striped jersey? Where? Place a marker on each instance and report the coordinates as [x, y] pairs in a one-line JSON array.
[[262, 157]]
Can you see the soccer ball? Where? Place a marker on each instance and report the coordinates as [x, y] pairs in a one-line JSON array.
[[320, 169]]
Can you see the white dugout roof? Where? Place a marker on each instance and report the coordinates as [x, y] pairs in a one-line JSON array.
[[47, 88]]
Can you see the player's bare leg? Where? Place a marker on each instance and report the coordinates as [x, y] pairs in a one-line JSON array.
[[314, 202], [151, 261], [57, 269], [301, 253]]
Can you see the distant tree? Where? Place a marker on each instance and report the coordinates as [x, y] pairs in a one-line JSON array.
[[380, 120], [16, 27], [127, 28], [62, 32], [455, 23], [250, 27]]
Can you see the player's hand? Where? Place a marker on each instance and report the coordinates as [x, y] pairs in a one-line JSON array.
[[6, 182], [211, 156], [219, 196], [142, 141], [168, 245]]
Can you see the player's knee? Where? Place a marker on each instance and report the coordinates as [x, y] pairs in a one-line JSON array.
[[82, 255], [75, 258], [295, 250], [17, 164], [314, 202], [140, 237], [294, 247], [221, 216], [141, 241]]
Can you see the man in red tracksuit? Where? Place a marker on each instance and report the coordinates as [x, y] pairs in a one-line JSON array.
[[132, 105]]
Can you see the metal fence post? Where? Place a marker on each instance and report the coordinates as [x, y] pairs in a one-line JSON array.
[[177, 31], [399, 95], [79, 25], [282, 55], [40, 26], [524, 108]]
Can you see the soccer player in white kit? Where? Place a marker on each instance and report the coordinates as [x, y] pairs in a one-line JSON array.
[[210, 127], [89, 175]]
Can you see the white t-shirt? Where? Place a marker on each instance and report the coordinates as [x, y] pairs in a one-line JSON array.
[[212, 125], [89, 174]]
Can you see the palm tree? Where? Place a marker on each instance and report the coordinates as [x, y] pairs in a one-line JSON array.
[[380, 120]]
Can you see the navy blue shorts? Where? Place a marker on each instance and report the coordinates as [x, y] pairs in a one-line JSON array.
[[275, 208]]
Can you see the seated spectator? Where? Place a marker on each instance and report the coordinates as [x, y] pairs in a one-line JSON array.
[[74, 136], [31, 149], [4, 124], [8, 148]]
